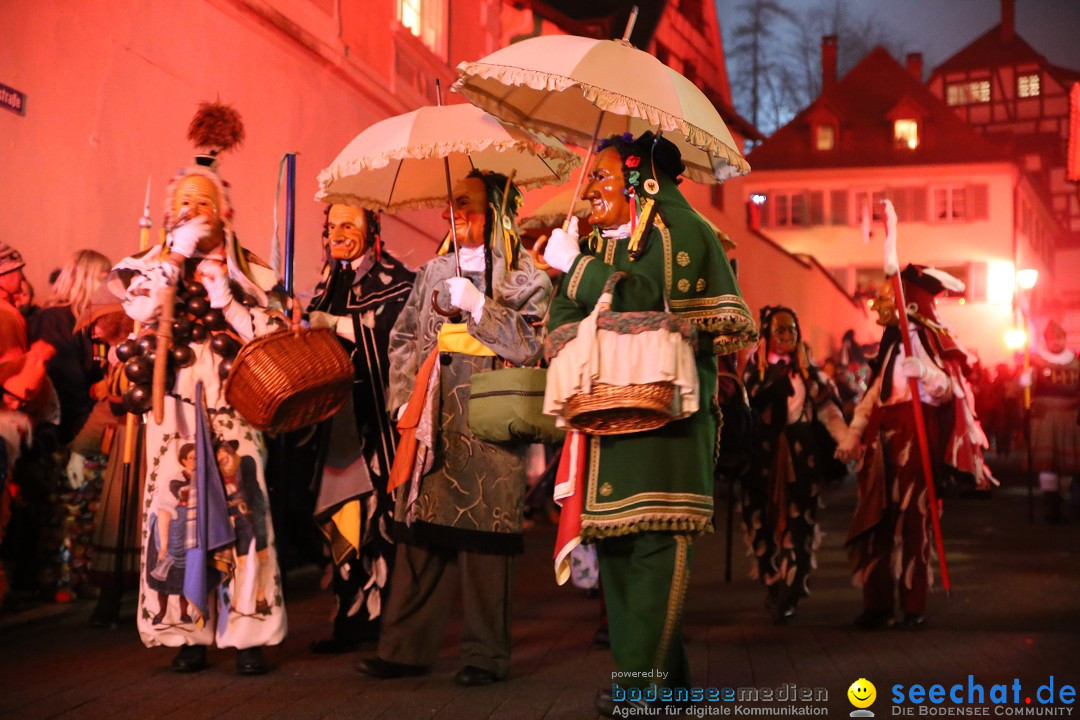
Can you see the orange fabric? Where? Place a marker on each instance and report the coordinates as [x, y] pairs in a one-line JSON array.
[[407, 445]]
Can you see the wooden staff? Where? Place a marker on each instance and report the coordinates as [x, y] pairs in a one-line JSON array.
[[892, 264]]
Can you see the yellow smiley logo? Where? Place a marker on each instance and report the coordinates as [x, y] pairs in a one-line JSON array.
[[862, 693]]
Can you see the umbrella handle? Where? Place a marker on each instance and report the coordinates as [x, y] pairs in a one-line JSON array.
[[584, 171], [438, 308]]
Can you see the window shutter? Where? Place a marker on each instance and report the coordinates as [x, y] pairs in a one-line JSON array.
[[766, 213], [817, 207], [838, 207], [980, 202], [918, 204], [901, 199]]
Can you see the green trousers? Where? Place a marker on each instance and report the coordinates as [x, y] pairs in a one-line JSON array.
[[645, 577]]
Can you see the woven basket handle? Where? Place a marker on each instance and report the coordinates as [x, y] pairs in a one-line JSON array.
[[603, 304]]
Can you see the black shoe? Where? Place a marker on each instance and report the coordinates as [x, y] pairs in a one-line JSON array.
[[602, 636], [471, 676], [190, 659], [874, 620], [913, 621], [376, 667], [607, 707], [250, 661], [784, 614], [333, 646]]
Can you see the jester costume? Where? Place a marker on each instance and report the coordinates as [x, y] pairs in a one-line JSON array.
[[888, 540], [459, 502], [781, 496], [648, 494], [357, 445]]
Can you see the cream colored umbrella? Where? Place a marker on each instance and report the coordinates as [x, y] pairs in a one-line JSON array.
[[400, 163], [577, 88], [552, 211]]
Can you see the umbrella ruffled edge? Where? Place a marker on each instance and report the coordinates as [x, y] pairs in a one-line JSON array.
[[561, 163], [606, 100]]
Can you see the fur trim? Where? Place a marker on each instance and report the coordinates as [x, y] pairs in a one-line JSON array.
[[216, 127]]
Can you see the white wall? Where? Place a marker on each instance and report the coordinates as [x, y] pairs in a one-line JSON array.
[[111, 87]]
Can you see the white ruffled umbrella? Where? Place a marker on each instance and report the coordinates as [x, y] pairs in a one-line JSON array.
[[400, 163], [564, 85]]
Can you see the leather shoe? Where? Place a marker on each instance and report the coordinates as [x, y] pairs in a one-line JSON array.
[[250, 661], [333, 646], [471, 676], [190, 659], [913, 621], [607, 707], [784, 614], [874, 620], [376, 667]]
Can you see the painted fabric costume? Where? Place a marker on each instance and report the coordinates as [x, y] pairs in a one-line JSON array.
[[357, 446], [249, 609], [647, 494], [781, 495], [459, 511], [889, 537]]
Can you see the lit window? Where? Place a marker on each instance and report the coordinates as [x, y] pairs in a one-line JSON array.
[[906, 134], [824, 137], [1028, 85], [426, 20], [964, 93], [978, 91], [950, 203]]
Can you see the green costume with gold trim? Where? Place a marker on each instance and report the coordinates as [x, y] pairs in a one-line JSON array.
[[648, 494]]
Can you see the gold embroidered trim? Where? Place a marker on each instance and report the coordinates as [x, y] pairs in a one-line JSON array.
[[665, 235], [609, 250], [575, 279], [708, 301], [680, 578], [683, 285], [683, 258], [700, 285]]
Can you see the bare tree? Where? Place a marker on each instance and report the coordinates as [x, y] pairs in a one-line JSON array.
[[752, 50], [775, 53]]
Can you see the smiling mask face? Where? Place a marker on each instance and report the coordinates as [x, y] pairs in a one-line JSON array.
[[346, 232], [605, 191]]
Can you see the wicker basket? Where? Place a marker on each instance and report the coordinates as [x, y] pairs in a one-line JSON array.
[[288, 379], [621, 409]]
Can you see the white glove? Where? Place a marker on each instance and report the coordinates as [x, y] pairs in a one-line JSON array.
[[913, 367], [185, 237], [216, 281], [562, 247], [76, 473], [463, 294], [319, 319], [1024, 379]]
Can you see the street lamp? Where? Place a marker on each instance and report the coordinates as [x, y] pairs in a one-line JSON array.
[[1027, 278]]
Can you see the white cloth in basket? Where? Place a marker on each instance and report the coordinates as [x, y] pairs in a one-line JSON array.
[[604, 356]]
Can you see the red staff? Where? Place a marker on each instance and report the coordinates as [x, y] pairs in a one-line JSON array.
[[892, 268]]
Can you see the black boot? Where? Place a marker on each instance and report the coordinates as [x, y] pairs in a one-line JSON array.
[[250, 661], [190, 659]]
